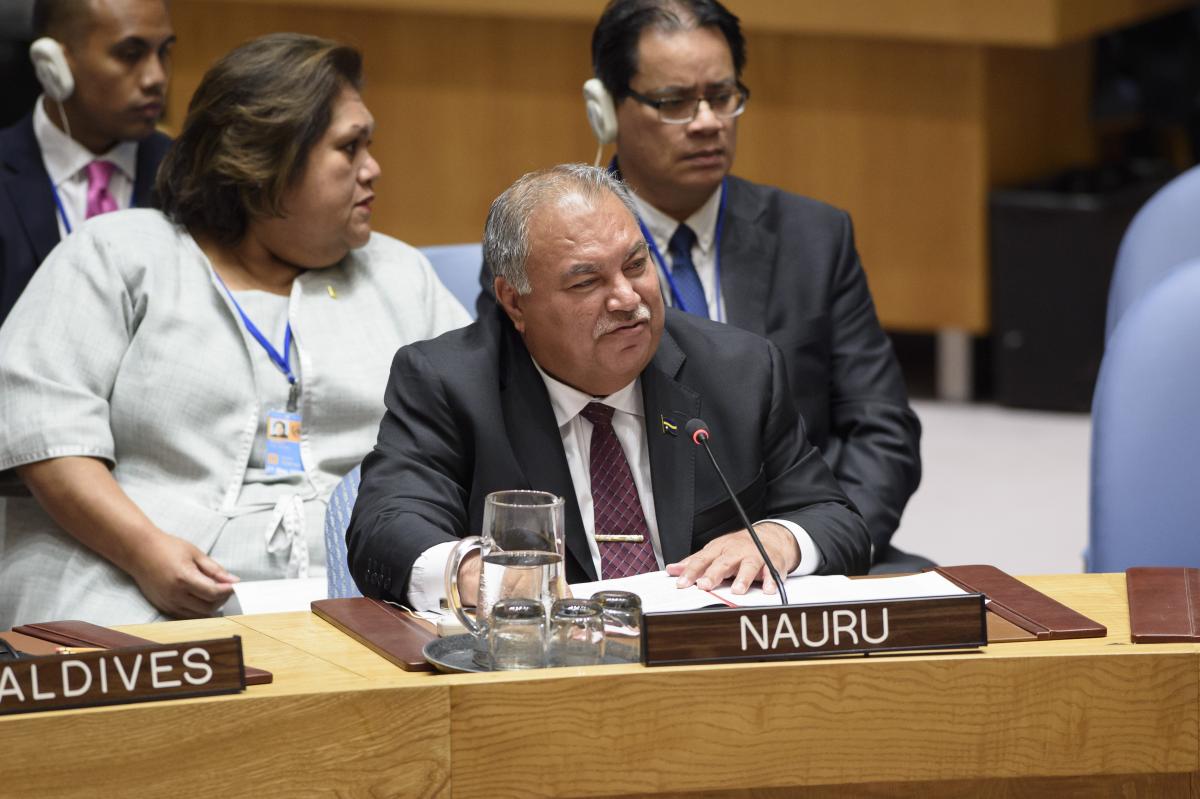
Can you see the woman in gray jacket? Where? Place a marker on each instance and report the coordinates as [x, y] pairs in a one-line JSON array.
[[181, 391]]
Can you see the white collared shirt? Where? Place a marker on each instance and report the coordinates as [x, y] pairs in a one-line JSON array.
[[629, 425], [426, 586], [704, 252], [66, 163]]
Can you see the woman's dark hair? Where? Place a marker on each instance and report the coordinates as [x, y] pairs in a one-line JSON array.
[[615, 40], [250, 126]]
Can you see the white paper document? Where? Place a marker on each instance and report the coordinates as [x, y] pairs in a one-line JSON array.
[[276, 596], [837, 588], [658, 591]]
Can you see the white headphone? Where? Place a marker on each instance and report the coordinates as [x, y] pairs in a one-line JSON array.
[[601, 111], [50, 65]]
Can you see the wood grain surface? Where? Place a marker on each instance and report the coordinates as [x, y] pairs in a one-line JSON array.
[[881, 720], [1120, 786], [1076, 718]]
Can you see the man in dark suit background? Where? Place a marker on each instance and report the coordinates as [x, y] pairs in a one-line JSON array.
[[754, 256], [97, 149], [564, 384]]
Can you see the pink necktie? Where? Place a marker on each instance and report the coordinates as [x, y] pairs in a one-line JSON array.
[[99, 201], [615, 498]]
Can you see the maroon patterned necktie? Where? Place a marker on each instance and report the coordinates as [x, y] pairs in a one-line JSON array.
[[615, 499]]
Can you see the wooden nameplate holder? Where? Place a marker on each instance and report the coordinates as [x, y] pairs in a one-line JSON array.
[[1164, 604], [794, 632], [1019, 612], [385, 629], [121, 676], [86, 634]]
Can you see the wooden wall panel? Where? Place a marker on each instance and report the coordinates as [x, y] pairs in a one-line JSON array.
[[463, 105], [891, 132], [903, 119], [1026, 23], [1038, 112]]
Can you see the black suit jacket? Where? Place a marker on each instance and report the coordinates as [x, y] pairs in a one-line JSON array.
[[790, 272], [468, 414], [28, 223]]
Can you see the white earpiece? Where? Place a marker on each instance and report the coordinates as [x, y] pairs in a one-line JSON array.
[[50, 66], [601, 112]]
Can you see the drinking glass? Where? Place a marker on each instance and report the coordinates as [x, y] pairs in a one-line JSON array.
[[576, 636], [521, 547], [517, 635], [622, 614]]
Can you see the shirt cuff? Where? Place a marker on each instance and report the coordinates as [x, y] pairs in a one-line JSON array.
[[427, 582], [810, 556]]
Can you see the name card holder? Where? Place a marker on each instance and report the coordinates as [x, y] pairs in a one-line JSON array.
[[793, 632], [122, 676]]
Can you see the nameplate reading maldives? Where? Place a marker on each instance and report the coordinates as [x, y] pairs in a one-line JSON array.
[[800, 631], [121, 676]]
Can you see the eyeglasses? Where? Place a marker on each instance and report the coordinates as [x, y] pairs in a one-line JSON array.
[[726, 102]]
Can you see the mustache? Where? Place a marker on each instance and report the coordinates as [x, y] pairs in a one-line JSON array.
[[608, 324]]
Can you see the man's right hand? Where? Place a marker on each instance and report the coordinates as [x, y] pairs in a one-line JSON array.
[[180, 580], [468, 580]]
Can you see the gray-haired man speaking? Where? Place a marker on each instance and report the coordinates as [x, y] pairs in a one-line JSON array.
[[563, 387]]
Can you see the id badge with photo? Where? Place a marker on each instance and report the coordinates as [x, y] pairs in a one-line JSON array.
[[283, 442]]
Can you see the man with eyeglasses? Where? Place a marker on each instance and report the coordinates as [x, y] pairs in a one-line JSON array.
[[668, 90]]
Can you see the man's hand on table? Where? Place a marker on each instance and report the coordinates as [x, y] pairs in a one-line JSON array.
[[734, 555]]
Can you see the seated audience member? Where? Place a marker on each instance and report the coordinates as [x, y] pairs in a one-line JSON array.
[[151, 355], [89, 145], [754, 256], [568, 376]]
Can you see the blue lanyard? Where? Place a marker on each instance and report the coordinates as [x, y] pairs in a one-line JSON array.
[[61, 210], [676, 299], [282, 362]]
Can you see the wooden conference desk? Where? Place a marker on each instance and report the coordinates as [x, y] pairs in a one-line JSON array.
[[1097, 717], [904, 112]]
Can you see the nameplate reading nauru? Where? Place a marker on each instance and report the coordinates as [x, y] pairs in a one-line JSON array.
[[122, 676], [801, 631]]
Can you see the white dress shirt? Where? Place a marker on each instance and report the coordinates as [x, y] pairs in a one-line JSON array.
[[704, 252], [426, 587], [66, 163]]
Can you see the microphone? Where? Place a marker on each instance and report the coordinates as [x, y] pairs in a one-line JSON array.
[[697, 431]]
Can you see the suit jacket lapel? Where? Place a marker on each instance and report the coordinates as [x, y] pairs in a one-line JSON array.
[[28, 187], [747, 257], [672, 458], [150, 152], [536, 442]]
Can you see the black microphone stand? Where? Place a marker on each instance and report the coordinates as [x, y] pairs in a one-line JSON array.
[[699, 434]]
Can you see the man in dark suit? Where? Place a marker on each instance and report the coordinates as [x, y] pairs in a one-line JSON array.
[[95, 150], [580, 352], [668, 92]]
